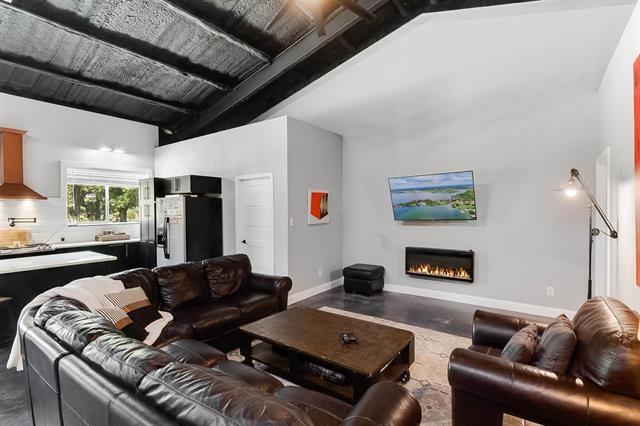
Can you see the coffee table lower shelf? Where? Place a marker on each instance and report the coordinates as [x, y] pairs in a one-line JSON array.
[[288, 364]]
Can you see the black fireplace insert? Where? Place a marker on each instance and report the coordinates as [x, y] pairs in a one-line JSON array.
[[442, 264]]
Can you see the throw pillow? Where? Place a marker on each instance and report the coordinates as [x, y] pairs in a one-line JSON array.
[[135, 303], [556, 345], [123, 322], [522, 345]]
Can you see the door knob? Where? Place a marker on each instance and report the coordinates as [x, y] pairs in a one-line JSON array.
[[244, 241]]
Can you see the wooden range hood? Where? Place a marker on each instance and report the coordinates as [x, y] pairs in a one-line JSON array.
[[11, 177]]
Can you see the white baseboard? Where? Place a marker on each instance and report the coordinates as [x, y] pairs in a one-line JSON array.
[[506, 305], [486, 302], [321, 288]]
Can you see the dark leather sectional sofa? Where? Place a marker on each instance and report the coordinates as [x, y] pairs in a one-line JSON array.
[[601, 387], [80, 370], [209, 300]]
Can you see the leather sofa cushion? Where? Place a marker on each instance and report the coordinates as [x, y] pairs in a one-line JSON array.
[[55, 306], [608, 348], [196, 395], [141, 277], [251, 376], [522, 345], [174, 331], [76, 329], [182, 286], [209, 320], [253, 305], [321, 409], [555, 347], [190, 351], [123, 359], [227, 275]]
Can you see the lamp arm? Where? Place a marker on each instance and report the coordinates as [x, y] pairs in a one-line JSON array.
[[612, 231]]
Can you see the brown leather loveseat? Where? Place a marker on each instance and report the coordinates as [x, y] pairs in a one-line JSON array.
[[601, 386]]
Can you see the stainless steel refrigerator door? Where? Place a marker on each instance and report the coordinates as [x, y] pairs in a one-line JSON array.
[[171, 224]]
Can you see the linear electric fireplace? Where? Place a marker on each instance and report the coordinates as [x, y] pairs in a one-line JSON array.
[[440, 264]]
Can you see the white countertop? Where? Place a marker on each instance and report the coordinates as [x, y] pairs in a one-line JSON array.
[[93, 243], [45, 261]]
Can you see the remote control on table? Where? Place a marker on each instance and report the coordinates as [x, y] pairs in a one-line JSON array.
[[348, 338]]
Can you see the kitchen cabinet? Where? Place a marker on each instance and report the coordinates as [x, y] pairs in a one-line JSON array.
[[23, 279]]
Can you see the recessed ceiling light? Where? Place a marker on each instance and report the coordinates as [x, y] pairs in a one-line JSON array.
[[105, 148], [119, 150]]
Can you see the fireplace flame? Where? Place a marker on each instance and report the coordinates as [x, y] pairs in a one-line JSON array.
[[439, 271]]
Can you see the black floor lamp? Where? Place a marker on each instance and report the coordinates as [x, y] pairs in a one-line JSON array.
[[571, 190]]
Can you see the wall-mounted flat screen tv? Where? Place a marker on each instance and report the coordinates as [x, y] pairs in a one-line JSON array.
[[442, 196]]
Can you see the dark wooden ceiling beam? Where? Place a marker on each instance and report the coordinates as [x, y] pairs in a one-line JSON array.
[[93, 85], [212, 28], [403, 10], [114, 45], [305, 47], [97, 110]]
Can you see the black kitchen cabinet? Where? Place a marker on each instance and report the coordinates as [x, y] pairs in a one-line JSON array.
[[23, 286], [147, 254]]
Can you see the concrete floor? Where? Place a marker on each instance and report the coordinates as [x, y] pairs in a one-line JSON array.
[[434, 314], [448, 317], [13, 405]]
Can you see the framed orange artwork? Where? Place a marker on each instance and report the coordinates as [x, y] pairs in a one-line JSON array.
[[318, 206]]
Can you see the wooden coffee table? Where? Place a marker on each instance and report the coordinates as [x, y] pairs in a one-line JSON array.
[[290, 338]]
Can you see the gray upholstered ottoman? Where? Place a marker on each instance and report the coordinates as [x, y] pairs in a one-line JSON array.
[[363, 279]]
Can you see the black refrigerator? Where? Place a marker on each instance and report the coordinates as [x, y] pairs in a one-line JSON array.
[[189, 220]]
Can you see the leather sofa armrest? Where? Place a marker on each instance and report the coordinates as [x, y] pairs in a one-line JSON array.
[[495, 330], [492, 386], [280, 286], [385, 403]]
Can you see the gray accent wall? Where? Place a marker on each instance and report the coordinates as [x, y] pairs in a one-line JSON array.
[[314, 161]]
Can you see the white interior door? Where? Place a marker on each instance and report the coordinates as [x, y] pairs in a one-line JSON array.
[[254, 221], [602, 246]]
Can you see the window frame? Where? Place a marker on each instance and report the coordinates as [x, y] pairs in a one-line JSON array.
[[64, 166]]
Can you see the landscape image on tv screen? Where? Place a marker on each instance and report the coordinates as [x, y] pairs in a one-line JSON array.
[[444, 196]]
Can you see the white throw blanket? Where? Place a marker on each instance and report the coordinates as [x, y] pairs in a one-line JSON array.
[[90, 291]]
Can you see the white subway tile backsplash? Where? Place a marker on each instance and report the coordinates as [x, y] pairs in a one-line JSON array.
[[51, 222]]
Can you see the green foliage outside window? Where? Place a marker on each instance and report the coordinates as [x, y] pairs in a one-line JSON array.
[[88, 204], [123, 204]]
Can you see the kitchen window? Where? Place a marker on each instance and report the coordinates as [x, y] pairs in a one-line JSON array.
[[102, 196]]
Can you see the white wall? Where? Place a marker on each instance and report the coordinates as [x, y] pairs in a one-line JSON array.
[[527, 236], [55, 134], [255, 148], [616, 130], [314, 159]]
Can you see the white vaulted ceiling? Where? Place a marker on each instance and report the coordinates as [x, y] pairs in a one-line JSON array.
[[445, 67]]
